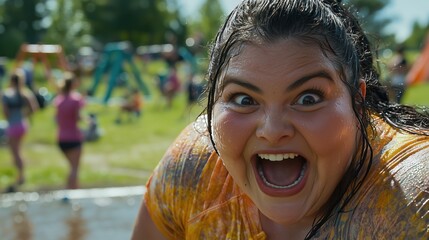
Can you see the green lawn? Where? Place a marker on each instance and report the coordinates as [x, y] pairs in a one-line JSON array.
[[124, 155], [417, 95]]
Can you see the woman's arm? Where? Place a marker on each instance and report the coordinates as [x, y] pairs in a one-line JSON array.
[[5, 110], [32, 104], [144, 228]]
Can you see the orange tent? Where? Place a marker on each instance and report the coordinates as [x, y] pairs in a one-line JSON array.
[[419, 71]]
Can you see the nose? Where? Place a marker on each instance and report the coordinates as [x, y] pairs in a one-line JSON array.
[[275, 127]]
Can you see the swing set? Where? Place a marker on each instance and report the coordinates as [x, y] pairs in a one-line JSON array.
[[49, 55], [112, 61]]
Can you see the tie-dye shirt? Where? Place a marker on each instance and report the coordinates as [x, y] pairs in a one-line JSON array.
[[191, 195]]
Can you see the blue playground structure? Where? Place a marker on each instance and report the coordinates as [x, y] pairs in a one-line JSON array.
[[112, 61], [188, 57]]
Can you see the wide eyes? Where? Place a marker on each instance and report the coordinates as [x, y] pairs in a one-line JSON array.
[[243, 100], [309, 99], [305, 101]]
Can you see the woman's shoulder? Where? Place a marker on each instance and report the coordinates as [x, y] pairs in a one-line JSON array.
[[192, 147], [407, 155], [179, 183], [393, 143], [407, 161], [194, 133], [8, 93], [394, 199], [404, 159], [76, 96]]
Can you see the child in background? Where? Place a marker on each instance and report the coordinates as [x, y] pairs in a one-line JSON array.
[[132, 106], [93, 132]]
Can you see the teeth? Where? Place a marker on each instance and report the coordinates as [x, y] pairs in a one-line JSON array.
[[278, 157]]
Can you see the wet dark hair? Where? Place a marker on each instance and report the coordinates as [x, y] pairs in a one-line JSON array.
[[17, 80], [338, 33], [69, 79], [14, 80]]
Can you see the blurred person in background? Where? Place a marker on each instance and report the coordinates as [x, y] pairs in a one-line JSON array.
[[69, 103], [132, 106], [18, 104]]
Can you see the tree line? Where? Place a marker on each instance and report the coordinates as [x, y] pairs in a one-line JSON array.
[[77, 23]]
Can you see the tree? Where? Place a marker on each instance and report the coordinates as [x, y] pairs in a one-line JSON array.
[[21, 21], [212, 16], [140, 22], [368, 12], [418, 38], [69, 27]]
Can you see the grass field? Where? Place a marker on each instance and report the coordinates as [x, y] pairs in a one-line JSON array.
[[125, 154]]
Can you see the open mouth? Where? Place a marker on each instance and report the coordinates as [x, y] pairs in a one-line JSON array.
[[281, 171]]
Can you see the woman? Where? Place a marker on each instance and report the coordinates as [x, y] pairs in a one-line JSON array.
[[69, 104], [18, 104], [301, 140]]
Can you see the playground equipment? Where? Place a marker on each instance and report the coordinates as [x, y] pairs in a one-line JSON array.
[[112, 60], [42, 53], [419, 72], [53, 59], [168, 51]]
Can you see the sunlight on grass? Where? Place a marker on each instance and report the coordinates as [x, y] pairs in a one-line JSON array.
[[124, 155], [417, 95]]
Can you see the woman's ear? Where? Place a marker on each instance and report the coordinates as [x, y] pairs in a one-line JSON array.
[[362, 87]]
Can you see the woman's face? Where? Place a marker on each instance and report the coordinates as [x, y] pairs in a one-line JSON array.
[[285, 128]]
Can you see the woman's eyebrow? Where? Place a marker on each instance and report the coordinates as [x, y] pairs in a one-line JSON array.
[[242, 83], [306, 78], [293, 86]]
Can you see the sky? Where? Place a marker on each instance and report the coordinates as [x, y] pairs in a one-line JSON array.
[[403, 12]]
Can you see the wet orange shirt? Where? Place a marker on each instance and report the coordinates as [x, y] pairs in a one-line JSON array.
[[191, 195]]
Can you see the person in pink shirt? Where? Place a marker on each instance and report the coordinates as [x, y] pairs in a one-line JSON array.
[[68, 104]]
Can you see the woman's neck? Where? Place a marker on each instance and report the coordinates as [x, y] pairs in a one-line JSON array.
[[278, 231]]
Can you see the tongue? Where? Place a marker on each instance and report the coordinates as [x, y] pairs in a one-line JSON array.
[[282, 173]]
